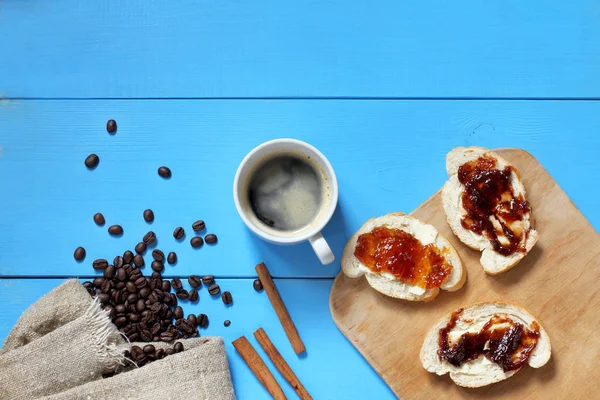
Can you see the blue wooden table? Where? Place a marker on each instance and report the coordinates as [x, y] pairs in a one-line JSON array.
[[383, 89]]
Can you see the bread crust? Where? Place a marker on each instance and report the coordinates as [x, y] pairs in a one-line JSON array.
[[352, 267], [492, 262], [463, 375]]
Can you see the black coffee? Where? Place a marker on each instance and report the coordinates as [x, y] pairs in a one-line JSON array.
[[286, 193]]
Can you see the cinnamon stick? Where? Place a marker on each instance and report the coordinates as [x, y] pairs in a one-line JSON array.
[[280, 363], [280, 310], [258, 367]]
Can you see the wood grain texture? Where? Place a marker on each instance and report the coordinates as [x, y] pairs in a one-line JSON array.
[[388, 155], [282, 366], [280, 309], [432, 48], [258, 367], [330, 353], [557, 282]]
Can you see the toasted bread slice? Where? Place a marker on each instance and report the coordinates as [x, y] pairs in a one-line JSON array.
[[481, 371], [493, 262], [387, 283]]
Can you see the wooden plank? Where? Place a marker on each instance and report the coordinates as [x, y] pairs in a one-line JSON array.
[[388, 155], [329, 354], [564, 261], [412, 48]]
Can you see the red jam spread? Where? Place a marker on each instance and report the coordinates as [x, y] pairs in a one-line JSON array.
[[399, 253], [508, 346], [489, 193]]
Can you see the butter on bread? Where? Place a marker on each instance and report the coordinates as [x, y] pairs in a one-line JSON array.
[[493, 262], [481, 371], [387, 283]]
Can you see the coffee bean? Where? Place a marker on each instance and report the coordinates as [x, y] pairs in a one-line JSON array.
[[156, 275], [196, 242], [211, 238], [115, 230], [178, 233], [110, 311], [258, 286], [138, 260], [133, 273], [132, 298], [146, 336], [166, 336], [79, 253], [208, 279], [109, 272], [98, 281], [111, 126], [92, 161], [195, 281], [160, 354], [144, 292], [182, 294], [104, 297], [178, 312], [119, 322], [214, 289], [118, 262], [148, 215], [158, 255], [227, 322], [193, 295], [130, 286], [88, 285], [106, 286], [139, 283], [198, 226], [184, 326], [176, 284], [202, 320], [140, 248], [169, 352], [173, 300], [178, 347], [133, 317], [99, 264], [157, 266], [99, 219], [172, 258], [227, 298], [193, 320], [166, 286], [136, 351], [149, 237], [149, 349], [164, 172], [140, 305]]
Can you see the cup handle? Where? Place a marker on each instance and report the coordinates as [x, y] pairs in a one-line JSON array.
[[322, 249]]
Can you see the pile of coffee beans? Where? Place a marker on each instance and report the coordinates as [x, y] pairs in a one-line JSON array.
[[144, 355]]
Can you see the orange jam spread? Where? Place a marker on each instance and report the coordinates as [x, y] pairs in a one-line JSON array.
[[399, 253], [502, 340], [489, 197]]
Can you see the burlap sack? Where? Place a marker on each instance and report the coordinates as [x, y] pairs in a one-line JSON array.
[[61, 345]]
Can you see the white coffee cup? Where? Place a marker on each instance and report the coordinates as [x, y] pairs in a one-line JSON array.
[[312, 232]]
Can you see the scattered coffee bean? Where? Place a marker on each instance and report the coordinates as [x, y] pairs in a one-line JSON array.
[[149, 238], [111, 126], [258, 286], [149, 349], [193, 295], [100, 264], [227, 322], [158, 255], [193, 320], [176, 284], [160, 354], [138, 260], [208, 279], [178, 347], [211, 238], [185, 326], [164, 172], [118, 262], [169, 352], [195, 281], [140, 248], [227, 298], [214, 289], [79, 253], [109, 272], [128, 257], [202, 320], [182, 294], [196, 242], [172, 258], [178, 312], [157, 266], [148, 215], [99, 219], [198, 226], [92, 161], [115, 230], [178, 233]]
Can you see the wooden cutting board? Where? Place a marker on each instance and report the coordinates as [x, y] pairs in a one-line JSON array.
[[558, 282]]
